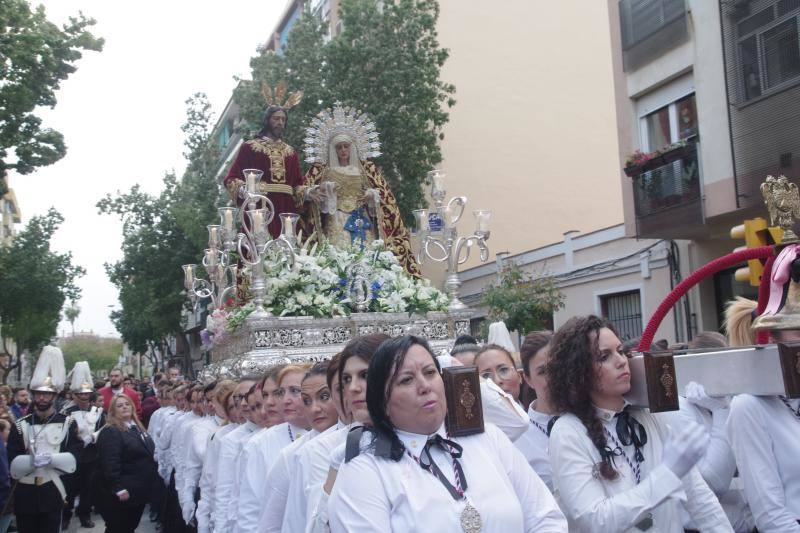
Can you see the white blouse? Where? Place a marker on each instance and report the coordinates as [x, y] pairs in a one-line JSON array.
[[315, 460], [278, 481], [378, 494], [765, 437], [534, 443], [255, 461], [229, 448], [208, 480], [595, 504]]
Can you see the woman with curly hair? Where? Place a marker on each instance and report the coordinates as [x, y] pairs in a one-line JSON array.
[[618, 468]]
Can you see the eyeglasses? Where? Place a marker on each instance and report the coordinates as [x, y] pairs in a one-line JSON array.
[[237, 398], [503, 372]]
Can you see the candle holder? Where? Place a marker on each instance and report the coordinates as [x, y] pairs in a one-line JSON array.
[[221, 270], [447, 247]]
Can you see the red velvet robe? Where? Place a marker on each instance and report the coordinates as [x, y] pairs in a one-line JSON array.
[[281, 166]]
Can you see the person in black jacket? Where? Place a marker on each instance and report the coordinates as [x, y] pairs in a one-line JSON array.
[[127, 469]]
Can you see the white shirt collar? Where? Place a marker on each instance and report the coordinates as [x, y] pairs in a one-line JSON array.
[[607, 415], [542, 418], [414, 442]]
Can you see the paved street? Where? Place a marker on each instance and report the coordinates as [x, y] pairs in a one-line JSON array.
[[145, 526]]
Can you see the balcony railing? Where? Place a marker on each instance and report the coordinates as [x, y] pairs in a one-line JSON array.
[[667, 195]]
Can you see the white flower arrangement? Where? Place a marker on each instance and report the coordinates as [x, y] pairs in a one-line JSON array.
[[317, 285]]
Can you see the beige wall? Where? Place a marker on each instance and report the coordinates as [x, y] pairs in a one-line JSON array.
[[533, 134]]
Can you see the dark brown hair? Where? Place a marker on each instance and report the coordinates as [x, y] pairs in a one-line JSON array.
[[531, 344], [363, 347], [572, 371], [489, 347], [708, 339]]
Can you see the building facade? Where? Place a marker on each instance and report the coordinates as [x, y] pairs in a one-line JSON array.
[[714, 87]]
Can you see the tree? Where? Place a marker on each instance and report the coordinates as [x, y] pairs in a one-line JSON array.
[[71, 313], [523, 302], [102, 353], [35, 57], [161, 233], [387, 62], [34, 284]]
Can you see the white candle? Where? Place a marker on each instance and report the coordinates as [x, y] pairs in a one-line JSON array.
[[422, 219], [258, 219], [211, 258], [482, 217], [213, 236], [227, 219], [188, 272], [251, 182], [437, 182]]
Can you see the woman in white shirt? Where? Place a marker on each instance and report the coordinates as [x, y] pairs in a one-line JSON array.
[[416, 477], [617, 468], [535, 441], [496, 363]]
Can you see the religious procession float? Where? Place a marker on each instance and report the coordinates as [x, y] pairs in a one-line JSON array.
[[301, 264]]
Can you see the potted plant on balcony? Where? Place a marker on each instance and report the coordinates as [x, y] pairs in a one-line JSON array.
[[635, 162], [639, 162]]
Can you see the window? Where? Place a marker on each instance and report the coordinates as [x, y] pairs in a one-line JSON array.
[[670, 124], [624, 310], [781, 53], [658, 130], [769, 48]]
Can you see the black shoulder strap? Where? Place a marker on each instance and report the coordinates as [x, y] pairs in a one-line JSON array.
[[353, 446]]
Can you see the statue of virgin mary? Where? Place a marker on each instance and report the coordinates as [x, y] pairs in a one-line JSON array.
[[347, 200]]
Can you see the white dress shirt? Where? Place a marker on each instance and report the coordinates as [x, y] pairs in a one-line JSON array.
[[180, 442], [718, 465], [534, 443], [378, 494], [194, 457], [208, 480], [278, 481], [593, 503], [165, 440], [500, 409], [256, 459], [154, 428], [315, 461], [765, 437], [230, 446]]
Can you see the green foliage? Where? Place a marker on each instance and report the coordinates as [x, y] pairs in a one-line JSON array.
[[34, 284], [71, 313], [102, 353], [386, 62], [35, 56], [524, 303], [161, 233]]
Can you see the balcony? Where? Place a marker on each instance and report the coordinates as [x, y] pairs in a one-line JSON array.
[[650, 28], [667, 199]]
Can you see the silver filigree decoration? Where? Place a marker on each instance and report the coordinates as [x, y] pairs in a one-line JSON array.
[[341, 121]]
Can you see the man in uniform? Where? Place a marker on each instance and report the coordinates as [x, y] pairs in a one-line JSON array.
[[89, 420], [41, 447]]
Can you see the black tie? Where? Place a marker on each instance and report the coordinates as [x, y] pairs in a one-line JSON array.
[[630, 431]]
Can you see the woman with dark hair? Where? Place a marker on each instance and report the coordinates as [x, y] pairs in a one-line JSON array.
[[617, 468], [533, 444], [416, 477], [127, 469], [353, 364]]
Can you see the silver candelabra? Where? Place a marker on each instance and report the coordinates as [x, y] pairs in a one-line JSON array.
[[218, 264], [439, 240], [253, 244]]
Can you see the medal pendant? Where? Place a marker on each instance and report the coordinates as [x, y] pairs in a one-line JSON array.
[[645, 523], [471, 520]]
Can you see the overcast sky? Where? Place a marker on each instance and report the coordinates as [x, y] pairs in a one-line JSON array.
[[121, 113]]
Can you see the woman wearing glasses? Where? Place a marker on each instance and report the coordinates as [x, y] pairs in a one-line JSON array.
[[496, 363], [415, 476], [618, 468]]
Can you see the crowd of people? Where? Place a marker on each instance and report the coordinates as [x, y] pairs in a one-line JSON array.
[[362, 442]]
